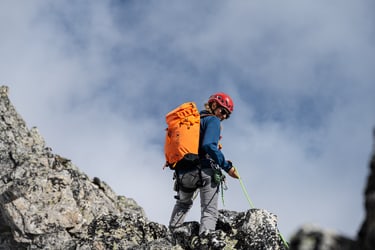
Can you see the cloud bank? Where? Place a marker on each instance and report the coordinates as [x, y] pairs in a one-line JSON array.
[[98, 77]]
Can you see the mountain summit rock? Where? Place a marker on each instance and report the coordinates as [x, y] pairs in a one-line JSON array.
[[46, 202]]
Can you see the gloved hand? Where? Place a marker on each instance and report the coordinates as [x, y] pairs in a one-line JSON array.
[[232, 171]]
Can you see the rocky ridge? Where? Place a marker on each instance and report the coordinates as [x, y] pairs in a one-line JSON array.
[[46, 202], [366, 235]]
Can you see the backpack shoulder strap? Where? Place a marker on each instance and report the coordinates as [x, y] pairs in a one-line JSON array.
[[205, 115]]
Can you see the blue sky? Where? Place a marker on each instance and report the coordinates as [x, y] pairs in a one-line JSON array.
[[97, 78]]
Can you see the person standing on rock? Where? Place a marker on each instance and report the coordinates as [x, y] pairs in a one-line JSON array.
[[218, 108]]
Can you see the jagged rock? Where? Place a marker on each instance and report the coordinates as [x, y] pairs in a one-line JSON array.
[[128, 231], [310, 237], [46, 202], [366, 235], [253, 229]]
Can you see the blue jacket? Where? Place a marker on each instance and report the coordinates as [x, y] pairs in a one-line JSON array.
[[209, 141]]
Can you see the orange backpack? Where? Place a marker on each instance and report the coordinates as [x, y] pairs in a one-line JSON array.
[[182, 135]]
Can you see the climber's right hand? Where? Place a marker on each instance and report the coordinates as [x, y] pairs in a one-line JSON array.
[[233, 173]]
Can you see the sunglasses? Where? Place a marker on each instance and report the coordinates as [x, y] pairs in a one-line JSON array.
[[225, 112]]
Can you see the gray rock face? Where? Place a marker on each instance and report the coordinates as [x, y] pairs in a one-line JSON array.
[[48, 203], [366, 235]]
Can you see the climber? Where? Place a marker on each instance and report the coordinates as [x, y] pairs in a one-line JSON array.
[[218, 108]]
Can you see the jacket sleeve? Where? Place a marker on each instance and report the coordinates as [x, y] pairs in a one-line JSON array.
[[210, 142]]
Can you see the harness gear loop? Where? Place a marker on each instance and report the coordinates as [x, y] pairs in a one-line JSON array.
[[219, 179]]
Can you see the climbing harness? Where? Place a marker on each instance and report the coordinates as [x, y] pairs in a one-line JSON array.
[[218, 178], [252, 205], [178, 185]]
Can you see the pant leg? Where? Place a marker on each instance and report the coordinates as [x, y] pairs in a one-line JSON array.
[[185, 202], [209, 202]]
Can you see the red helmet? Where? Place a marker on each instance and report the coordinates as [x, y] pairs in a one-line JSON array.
[[223, 100]]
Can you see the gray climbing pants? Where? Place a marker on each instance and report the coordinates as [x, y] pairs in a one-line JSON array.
[[208, 197]]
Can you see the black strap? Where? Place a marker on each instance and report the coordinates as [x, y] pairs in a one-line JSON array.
[[200, 183]]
